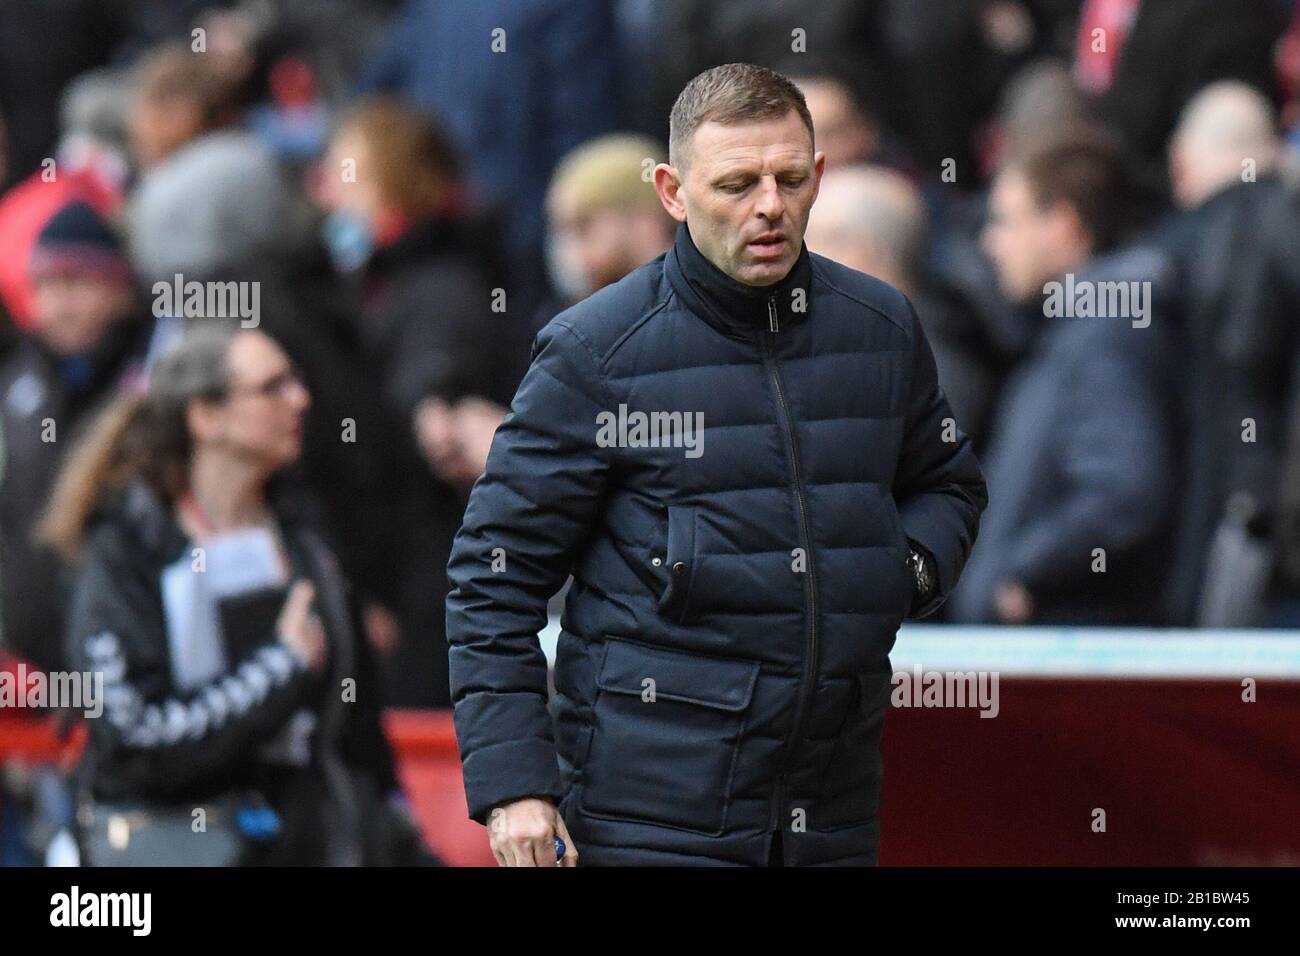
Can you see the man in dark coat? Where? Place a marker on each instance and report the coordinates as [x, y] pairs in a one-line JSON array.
[[742, 454], [1082, 450], [1234, 245]]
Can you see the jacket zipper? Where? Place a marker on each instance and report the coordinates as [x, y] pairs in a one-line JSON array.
[[810, 584]]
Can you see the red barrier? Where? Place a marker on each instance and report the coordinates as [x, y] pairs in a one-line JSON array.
[[1185, 772]]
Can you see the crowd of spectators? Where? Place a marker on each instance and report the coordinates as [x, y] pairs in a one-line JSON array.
[[414, 188]]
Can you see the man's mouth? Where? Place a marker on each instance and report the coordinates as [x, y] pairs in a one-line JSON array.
[[768, 245]]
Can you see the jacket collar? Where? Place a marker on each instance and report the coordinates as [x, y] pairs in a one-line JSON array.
[[732, 307]]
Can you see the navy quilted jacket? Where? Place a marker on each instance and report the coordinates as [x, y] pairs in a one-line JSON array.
[[723, 667]]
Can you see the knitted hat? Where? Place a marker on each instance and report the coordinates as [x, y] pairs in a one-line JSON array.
[[78, 239]]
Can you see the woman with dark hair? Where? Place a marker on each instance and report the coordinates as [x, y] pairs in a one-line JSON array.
[[234, 681]]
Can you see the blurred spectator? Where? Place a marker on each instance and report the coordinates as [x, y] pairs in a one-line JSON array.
[[89, 164], [221, 210], [216, 694], [446, 359], [1235, 244], [1083, 453], [179, 96], [604, 217], [87, 345], [219, 201], [848, 131], [44, 44], [518, 84], [1037, 103], [1142, 60], [874, 220]]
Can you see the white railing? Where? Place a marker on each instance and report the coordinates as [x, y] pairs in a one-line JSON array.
[[1085, 651]]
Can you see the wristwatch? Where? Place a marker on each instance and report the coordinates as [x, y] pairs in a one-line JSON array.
[[922, 576]]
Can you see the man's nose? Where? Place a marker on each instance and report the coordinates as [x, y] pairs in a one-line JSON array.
[[770, 204]]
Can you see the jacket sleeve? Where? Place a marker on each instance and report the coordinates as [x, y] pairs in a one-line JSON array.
[[938, 485], [163, 741], [527, 517]]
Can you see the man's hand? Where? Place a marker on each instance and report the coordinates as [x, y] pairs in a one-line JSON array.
[[1013, 603], [523, 833]]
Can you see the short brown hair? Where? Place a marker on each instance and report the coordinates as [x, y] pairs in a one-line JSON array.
[[731, 93], [1086, 169], [414, 162], [173, 72]]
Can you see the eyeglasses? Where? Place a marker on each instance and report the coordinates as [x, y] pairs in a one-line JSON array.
[[274, 387]]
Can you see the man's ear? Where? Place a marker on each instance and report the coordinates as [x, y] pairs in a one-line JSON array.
[[668, 184], [819, 167]]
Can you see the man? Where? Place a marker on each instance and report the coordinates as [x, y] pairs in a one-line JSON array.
[[1139, 88], [88, 343], [603, 216], [1081, 449], [847, 132], [723, 672], [873, 219], [1234, 244]]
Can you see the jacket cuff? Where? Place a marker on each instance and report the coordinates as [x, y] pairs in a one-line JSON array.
[[511, 770]]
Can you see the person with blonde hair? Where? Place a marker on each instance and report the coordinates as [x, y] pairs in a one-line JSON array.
[[603, 216]]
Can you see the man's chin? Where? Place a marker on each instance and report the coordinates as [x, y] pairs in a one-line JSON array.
[[764, 273]]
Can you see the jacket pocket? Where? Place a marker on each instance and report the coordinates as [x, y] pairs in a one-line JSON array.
[[666, 735], [679, 563], [850, 790]]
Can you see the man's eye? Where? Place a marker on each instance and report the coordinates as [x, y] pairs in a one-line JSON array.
[[733, 187], [793, 183]]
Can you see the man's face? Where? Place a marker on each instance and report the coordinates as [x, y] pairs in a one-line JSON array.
[[745, 195], [73, 310], [593, 241], [1020, 238], [157, 128], [603, 244]]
